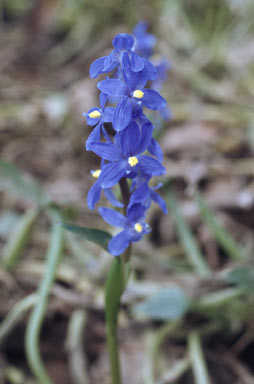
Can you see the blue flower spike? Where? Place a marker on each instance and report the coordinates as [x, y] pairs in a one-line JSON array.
[[122, 135]]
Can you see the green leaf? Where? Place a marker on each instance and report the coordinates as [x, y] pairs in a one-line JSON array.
[[243, 276], [167, 304], [96, 236], [18, 239], [223, 237], [29, 189]]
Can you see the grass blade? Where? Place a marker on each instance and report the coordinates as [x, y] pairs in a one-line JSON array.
[[15, 314], [39, 311], [197, 359], [18, 239]]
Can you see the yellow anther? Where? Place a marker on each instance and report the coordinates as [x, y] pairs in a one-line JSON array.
[[133, 161], [138, 94], [95, 114], [96, 173], [138, 227]]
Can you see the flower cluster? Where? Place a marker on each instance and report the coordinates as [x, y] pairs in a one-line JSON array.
[[126, 146]]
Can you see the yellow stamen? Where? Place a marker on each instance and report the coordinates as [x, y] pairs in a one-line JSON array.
[[138, 227], [138, 94], [95, 114], [133, 161], [96, 173]]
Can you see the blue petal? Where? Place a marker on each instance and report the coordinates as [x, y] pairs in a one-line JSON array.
[[140, 194], [123, 42], [103, 99], [146, 136], [108, 114], [130, 139], [137, 62], [94, 136], [159, 201], [92, 121], [151, 70], [122, 114], [113, 87], [106, 151], [155, 149], [112, 199], [93, 195], [153, 100], [119, 243], [136, 213], [150, 166], [106, 135], [112, 173], [111, 62], [131, 78], [113, 217], [96, 67]]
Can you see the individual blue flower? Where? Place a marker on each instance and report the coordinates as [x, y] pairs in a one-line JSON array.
[[163, 67], [125, 155], [144, 195], [133, 224], [144, 42], [130, 93], [97, 117], [94, 193], [123, 42]]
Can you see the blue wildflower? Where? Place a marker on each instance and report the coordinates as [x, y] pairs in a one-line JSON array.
[[133, 224], [144, 42], [144, 195], [130, 94], [94, 193], [125, 157], [123, 150], [122, 42], [97, 117]]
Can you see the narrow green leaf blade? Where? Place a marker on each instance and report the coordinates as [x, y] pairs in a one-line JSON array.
[[168, 304], [96, 236], [18, 239]]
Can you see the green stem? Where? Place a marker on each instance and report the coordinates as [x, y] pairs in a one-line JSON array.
[[115, 285], [113, 355], [116, 281]]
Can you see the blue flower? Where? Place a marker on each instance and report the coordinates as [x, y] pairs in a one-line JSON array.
[[122, 150], [145, 42], [97, 117], [144, 195], [133, 224], [94, 193], [131, 94], [163, 66], [124, 156], [122, 42]]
